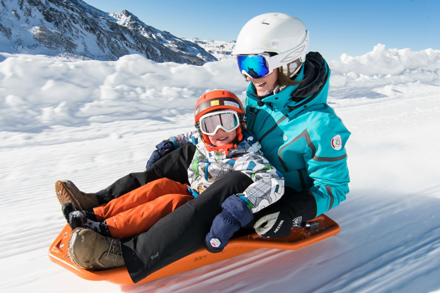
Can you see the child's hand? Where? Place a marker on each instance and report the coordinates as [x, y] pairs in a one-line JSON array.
[[235, 214], [162, 149]]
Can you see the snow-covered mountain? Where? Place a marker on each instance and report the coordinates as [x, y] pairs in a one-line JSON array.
[[74, 28], [127, 19], [220, 50]]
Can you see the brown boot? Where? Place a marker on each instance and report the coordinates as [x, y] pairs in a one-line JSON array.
[[92, 251], [67, 192]]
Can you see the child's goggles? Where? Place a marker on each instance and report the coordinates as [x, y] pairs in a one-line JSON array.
[[227, 120]]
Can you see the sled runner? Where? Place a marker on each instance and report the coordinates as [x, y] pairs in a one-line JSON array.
[[315, 230]]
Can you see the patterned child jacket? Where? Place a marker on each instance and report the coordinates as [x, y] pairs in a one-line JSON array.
[[208, 166]]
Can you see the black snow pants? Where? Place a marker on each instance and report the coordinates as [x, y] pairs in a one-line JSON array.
[[173, 166], [183, 231]]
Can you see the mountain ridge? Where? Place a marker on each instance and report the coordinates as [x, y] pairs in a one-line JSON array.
[[75, 28]]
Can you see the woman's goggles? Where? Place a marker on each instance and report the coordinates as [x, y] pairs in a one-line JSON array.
[[227, 120], [254, 66], [261, 65]]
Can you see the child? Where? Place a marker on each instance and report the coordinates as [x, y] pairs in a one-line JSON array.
[[223, 146]]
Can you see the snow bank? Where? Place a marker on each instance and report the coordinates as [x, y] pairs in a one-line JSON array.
[[390, 65], [38, 92]]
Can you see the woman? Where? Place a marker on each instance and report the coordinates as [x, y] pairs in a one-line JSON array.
[[286, 109]]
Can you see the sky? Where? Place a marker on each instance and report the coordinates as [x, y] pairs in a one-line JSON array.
[[336, 27], [93, 122]]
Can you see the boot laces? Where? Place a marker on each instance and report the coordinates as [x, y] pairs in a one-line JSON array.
[[114, 249]]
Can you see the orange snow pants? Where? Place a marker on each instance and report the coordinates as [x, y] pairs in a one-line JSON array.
[[138, 210]]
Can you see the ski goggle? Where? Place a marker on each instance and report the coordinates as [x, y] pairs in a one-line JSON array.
[[261, 65], [254, 66], [227, 120]]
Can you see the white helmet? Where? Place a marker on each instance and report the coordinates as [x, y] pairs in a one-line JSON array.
[[277, 33]]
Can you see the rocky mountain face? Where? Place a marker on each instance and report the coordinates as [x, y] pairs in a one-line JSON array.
[[74, 28]]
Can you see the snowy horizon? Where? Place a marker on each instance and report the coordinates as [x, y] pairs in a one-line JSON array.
[[93, 122], [72, 92]]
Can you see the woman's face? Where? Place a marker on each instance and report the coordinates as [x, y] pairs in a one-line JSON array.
[[265, 84]]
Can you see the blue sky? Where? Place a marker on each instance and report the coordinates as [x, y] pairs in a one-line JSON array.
[[353, 27]]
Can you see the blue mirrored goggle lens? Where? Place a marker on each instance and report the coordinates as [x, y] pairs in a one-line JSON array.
[[254, 65], [226, 121]]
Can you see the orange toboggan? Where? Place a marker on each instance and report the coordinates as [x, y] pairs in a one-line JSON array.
[[316, 230]]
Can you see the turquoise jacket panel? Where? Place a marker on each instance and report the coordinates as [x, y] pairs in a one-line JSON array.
[[302, 136]]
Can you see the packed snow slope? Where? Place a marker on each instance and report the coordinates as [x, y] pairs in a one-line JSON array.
[[95, 121]]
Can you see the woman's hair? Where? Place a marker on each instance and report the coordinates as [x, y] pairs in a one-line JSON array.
[[287, 73], [285, 81]]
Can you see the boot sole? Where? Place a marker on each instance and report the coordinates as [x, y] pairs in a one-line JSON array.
[[64, 195]]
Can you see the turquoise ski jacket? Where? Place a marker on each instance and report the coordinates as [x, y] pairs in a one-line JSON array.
[[302, 136]]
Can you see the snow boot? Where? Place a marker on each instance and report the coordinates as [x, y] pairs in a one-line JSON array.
[[88, 220], [67, 192], [92, 251], [68, 208]]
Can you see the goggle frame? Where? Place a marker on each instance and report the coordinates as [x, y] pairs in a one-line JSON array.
[[201, 125], [273, 62]]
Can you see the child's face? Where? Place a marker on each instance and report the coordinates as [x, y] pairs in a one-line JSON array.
[[222, 137]]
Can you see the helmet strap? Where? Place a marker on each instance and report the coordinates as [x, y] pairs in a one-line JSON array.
[[291, 68]]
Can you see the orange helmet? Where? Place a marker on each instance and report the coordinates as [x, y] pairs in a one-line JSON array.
[[219, 100]]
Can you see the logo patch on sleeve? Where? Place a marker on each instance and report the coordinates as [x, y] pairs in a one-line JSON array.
[[337, 142]]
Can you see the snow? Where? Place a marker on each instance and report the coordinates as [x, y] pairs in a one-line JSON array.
[[219, 49], [94, 121]]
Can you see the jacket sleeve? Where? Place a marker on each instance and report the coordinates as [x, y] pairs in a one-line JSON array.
[[326, 161], [185, 138], [268, 185]]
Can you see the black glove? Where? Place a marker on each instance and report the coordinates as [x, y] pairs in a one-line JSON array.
[[163, 148], [292, 209], [276, 223]]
